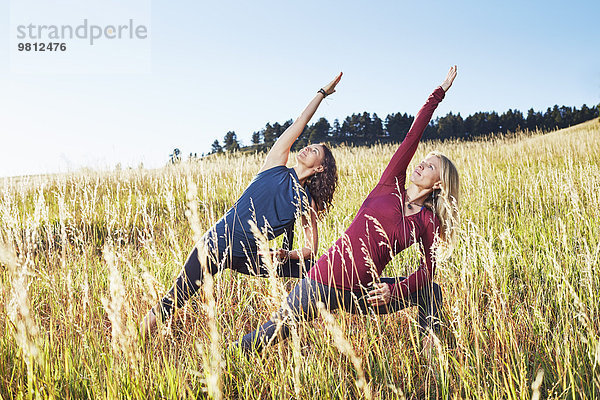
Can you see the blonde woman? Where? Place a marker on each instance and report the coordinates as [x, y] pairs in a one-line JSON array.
[[391, 219]]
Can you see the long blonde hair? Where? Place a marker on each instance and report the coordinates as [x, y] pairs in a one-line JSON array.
[[444, 202]]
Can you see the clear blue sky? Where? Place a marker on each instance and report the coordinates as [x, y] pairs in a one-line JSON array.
[[219, 66]]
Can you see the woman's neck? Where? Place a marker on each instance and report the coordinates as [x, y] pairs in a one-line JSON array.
[[417, 195], [302, 173]]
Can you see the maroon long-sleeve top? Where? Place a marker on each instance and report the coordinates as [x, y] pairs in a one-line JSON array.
[[380, 229]]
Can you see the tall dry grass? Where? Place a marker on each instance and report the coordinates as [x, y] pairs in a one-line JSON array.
[[83, 256]]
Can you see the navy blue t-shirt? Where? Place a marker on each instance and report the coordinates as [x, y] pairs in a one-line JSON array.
[[273, 199]]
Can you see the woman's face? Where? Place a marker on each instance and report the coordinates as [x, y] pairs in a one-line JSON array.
[[427, 173], [311, 157]]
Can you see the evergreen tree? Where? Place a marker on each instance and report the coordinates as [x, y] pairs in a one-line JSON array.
[[277, 130], [216, 148], [450, 126], [347, 129], [362, 128], [567, 116], [532, 121], [511, 121], [336, 130], [319, 131], [492, 123], [476, 124], [583, 115], [586, 113], [175, 157], [376, 128], [268, 135], [555, 117], [230, 142], [397, 125], [255, 138]]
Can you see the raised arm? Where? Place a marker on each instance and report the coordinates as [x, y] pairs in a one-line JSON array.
[[396, 168], [278, 155]]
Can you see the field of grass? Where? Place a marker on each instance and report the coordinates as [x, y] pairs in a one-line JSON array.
[[83, 256]]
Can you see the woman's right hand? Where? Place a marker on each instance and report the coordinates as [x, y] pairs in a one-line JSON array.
[[449, 79], [330, 87], [282, 255], [380, 294]]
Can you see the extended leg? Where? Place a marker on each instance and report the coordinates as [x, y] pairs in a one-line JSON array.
[[302, 306], [186, 285]]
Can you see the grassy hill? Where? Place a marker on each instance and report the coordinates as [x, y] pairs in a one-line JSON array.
[[83, 256]]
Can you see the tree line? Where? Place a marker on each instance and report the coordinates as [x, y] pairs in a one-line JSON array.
[[365, 128]]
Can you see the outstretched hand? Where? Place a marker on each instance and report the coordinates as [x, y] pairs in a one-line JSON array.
[[449, 79], [330, 87]]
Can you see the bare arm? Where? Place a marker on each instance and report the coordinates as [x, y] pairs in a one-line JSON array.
[[311, 235], [311, 241], [278, 155]]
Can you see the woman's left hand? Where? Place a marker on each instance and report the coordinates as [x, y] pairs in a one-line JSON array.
[[330, 87], [380, 295]]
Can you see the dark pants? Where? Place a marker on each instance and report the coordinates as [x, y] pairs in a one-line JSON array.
[[302, 302], [191, 277]]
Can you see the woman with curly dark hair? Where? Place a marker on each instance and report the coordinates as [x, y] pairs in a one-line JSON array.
[[274, 199]]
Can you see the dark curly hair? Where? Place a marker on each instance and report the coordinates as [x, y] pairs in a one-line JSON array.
[[321, 185]]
